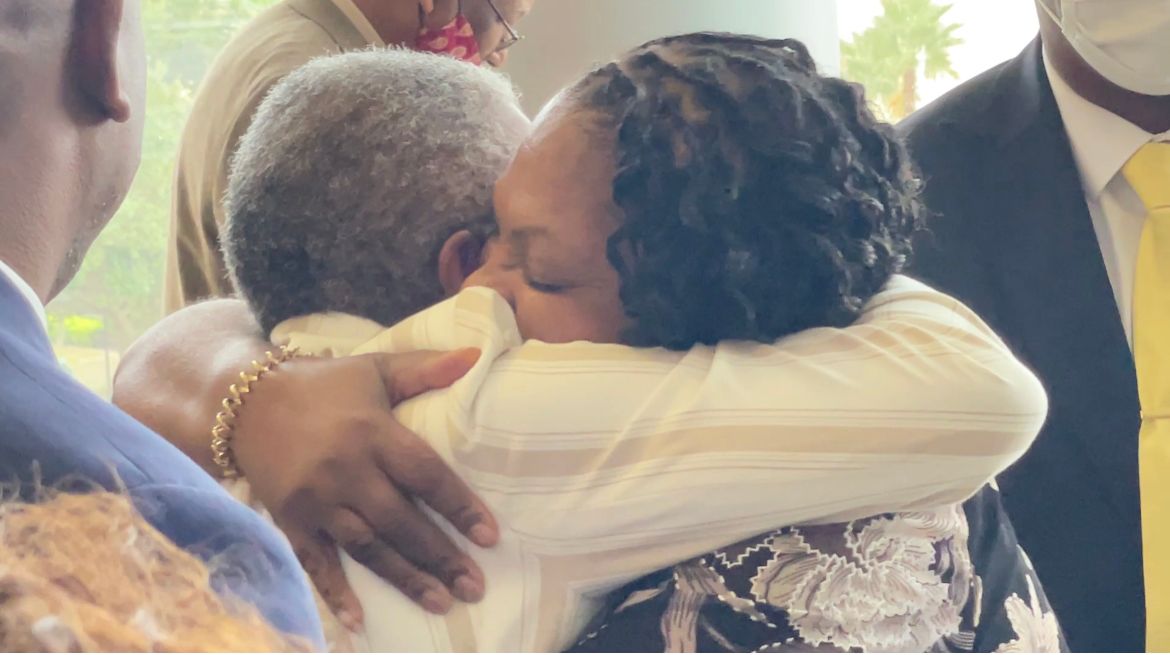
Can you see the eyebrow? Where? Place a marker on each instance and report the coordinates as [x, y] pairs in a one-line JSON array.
[[520, 238]]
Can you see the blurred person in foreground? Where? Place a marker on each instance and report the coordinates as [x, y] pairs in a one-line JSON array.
[[73, 85]]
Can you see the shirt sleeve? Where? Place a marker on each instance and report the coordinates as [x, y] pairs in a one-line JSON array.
[[656, 456], [610, 448]]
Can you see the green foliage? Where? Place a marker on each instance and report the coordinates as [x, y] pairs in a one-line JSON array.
[[121, 279], [81, 329], [885, 58]]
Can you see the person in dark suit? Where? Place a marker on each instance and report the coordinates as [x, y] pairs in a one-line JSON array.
[[1044, 176], [72, 92]]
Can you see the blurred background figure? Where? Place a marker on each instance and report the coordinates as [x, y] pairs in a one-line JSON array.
[[1050, 180]]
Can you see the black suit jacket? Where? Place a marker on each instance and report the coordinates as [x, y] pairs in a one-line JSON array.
[[1013, 238]]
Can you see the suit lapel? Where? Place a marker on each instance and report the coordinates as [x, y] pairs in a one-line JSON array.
[[20, 322], [1052, 283]]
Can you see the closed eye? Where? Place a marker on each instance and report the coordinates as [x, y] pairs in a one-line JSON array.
[[544, 287]]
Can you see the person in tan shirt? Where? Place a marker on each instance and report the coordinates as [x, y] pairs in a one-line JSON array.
[[278, 41]]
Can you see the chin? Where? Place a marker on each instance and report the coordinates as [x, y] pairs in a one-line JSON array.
[[68, 270], [75, 256]]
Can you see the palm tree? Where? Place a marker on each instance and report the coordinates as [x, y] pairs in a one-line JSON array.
[[885, 58]]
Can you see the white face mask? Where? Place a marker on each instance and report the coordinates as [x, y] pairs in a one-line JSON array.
[[1126, 41]]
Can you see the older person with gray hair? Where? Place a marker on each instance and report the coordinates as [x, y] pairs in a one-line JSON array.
[[329, 210], [277, 41]]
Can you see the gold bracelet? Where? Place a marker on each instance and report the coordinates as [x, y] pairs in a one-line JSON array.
[[223, 431]]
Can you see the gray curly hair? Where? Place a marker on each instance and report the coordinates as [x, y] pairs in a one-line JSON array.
[[356, 169]]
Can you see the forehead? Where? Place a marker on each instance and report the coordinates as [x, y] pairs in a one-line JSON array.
[[560, 181]]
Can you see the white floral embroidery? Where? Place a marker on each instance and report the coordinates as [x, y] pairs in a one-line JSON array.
[[1036, 631], [883, 591], [695, 583]]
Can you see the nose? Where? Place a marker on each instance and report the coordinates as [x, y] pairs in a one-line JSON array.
[[495, 272]]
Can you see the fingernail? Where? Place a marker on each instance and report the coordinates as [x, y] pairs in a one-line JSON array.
[[468, 589], [437, 602], [481, 534], [348, 620]]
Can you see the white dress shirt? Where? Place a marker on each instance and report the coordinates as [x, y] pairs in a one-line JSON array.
[[604, 463], [34, 301], [1102, 142]]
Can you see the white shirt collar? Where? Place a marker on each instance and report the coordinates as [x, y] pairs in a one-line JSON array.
[[25, 290], [359, 20], [1101, 141]]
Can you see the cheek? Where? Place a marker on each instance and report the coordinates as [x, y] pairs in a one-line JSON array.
[[488, 40], [495, 278], [575, 316]]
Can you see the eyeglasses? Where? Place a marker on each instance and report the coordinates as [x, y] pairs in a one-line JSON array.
[[513, 37]]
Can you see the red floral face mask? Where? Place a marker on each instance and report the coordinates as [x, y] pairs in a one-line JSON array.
[[455, 39]]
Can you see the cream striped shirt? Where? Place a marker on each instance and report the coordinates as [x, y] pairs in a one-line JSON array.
[[604, 463]]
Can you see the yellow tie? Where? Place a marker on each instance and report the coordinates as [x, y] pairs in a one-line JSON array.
[[1148, 172]]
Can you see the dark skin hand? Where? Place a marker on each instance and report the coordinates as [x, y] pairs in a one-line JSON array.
[[320, 448]]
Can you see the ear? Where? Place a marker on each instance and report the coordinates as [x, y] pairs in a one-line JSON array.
[[94, 57], [458, 259]]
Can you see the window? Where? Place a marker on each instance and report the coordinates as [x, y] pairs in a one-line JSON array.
[[117, 294], [909, 52], [906, 52]]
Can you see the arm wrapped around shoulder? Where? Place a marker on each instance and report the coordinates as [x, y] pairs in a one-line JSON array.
[[916, 405]]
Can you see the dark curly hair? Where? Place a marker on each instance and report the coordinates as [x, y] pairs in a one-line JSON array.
[[759, 198]]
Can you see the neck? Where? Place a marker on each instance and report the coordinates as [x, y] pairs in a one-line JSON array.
[[395, 21], [27, 261], [1151, 113], [35, 215]]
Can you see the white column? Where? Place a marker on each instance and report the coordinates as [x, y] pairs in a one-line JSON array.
[[563, 39]]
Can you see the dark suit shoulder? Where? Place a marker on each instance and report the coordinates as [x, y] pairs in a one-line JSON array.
[[961, 109], [955, 143]]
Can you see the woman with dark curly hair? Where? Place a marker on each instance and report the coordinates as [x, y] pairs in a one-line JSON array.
[[706, 187], [691, 331]]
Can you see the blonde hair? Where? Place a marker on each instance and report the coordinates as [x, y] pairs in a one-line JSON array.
[[85, 572]]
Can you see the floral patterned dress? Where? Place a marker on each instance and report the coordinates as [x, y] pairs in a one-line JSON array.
[[892, 583]]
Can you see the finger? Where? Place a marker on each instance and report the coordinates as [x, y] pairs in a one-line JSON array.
[[319, 557], [427, 6], [419, 471], [407, 375], [398, 522], [358, 539]]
